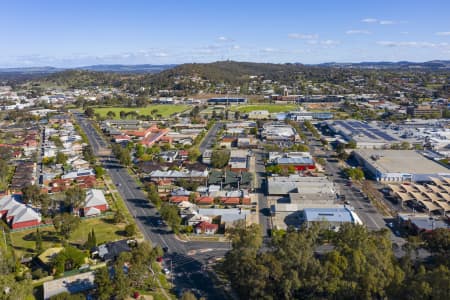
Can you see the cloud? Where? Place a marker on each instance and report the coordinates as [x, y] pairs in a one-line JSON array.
[[369, 20], [381, 22], [412, 44], [224, 39], [353, 31], [443, 33], [268, 50], [302, 36], [329, 42], [387, 22]]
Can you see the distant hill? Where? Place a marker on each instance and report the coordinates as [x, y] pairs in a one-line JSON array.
[[402, 65], [98, 68], [128, 68], [231, 71]]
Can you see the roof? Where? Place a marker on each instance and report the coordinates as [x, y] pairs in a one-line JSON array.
[[207, 226], [94, 197], [424, 222], [92, 211], [334, 215], [26, 214], [401, 161], [300, 184], [71, 284], [113, 249], [228, 215]]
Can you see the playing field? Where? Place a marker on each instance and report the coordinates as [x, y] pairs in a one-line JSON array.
[[271, 108], [165, 110]]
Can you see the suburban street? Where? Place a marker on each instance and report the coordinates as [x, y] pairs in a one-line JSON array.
[[208, 140], [260, 191], [186, 259]]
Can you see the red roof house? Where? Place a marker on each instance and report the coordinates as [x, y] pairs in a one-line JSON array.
[[206, 228]]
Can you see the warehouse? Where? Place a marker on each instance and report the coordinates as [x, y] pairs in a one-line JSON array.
[[399, 165]]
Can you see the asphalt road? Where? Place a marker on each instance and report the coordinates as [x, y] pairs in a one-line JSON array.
[[208, 140], [260, 189], [186, 259]]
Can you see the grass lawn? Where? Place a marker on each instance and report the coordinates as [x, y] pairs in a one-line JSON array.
[[165, 110], [271, 108], [24, 241], [104, 228]]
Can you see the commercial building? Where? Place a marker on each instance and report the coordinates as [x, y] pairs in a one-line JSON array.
[[433, 196], [399, 165], [279, 132], [300, 161], [333, 217], [226, 101], [238, 160], [420, 111], [308, 186], [366, 136], [421, 222]]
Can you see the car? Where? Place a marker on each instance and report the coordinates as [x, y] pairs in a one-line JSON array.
[[166, 271], [165, 249]]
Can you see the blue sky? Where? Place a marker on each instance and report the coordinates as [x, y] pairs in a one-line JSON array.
[[75, 33]]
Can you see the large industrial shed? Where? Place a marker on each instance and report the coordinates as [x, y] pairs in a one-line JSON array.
[[399, 165]]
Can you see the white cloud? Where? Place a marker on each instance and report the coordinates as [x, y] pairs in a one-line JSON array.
[[443, 33], [353, 31], [369, 20], [412, 44], [302, 36], [235, 47], [161, 54], [223, 38], [387, 22], [404, 32], [269, 50], [329, 42]]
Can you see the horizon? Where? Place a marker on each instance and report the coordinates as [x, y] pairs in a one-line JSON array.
[[218, 61], [85, 33]]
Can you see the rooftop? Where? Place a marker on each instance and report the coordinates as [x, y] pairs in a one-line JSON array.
[[401, 161]]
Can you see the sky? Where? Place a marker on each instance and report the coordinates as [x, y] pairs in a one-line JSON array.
[[79, 33]]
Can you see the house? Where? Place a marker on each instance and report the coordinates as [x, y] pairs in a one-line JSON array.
[[17, 214], [206, 228], [206, 157], [112, 250], [94, 203]]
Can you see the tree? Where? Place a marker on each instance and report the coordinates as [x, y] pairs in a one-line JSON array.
[[61, 158], [354, 173], [105, 288], [68, 259], [65, 224], [99, 171], [194, 154], [91, 241], [188, 295], [130, 230], [74, 197], [119, 217], [153, 195], [170, 214], [38, 240], [219, 158], [31, 193], [110, 114], [351, 144], [89, 112]]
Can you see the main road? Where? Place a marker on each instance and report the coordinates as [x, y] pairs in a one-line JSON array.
[[186, 259]]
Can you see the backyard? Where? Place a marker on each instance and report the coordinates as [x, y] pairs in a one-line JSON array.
[[105, 230]]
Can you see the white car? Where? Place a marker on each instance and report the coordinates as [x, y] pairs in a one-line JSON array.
[[166, 271]]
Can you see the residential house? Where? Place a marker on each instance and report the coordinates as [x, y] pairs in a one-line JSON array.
[[206, 228]]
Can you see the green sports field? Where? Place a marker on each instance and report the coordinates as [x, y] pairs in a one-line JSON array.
[[165, 110], [271, 108]]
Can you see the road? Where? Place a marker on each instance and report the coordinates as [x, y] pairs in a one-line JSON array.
[[260, 189], [187, 259], [208, 140]]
